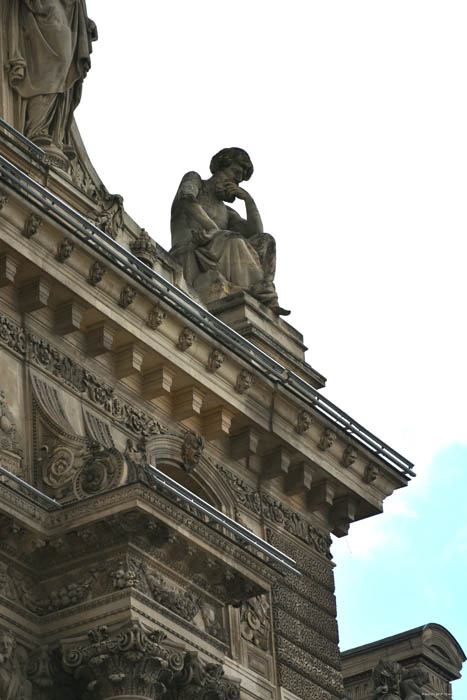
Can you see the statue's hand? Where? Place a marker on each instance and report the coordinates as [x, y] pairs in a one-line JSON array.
[[234, 190], [17, 71], [92, 30], [203, 237]]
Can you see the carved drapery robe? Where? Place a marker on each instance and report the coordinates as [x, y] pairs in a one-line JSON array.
[[49, 47], [246, 261]]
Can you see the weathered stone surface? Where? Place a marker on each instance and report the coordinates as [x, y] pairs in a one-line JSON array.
[[303, 687], [217, 248], [309, 665], [305, 611], [287, 626], [57, 35]]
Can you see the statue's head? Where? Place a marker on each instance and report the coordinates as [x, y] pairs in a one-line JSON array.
[[229, 157], [7, 644]]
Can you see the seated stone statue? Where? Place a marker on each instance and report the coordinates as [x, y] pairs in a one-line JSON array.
[[213, 243]]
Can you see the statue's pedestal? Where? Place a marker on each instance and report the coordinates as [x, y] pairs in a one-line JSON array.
[[267, 331]]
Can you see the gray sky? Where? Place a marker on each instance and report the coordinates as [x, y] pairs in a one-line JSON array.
[[354, 113]]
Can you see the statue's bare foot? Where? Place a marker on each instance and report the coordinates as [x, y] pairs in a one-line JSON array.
[[280, 311]]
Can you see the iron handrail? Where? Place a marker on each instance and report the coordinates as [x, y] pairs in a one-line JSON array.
[[246, 535], [101, 242], [31, 489]]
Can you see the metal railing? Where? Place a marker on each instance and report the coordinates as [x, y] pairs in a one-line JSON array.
[[31, 490], [174, 297], [246, 536]]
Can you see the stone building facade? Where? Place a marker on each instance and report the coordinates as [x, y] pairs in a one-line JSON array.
[[170, 475]]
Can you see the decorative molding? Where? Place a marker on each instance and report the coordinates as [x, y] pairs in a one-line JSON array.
[[34, 294], [131, 660], [68, 317], [96, 273], [326, 439], [299, 479], [371, 473], [244, 381], [70, 373], [157, 382], [109, 212], [244, 444], [128, 360], [31, 226], [262, 504], [8, 430], [156, 317], [99, 339], [255, 622], [216, 360], [127, 296], [304, 421], [217, 422], [186, 339], [321, 496], [187, 402], [349, 457], [64, 250], [8, 269], [192, 451], [145, 249]]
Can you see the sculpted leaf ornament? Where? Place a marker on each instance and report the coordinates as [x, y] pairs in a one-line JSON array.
[[128, 661]]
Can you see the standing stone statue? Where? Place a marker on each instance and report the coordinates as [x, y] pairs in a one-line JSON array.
[[213, 243], [13, 683], [49, 47]]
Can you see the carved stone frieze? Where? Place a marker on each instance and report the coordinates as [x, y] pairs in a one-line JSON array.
[[276, 512], [304, 421], [213, 625], [128, 661], [96, 273], [192, 450], [64, 250], [101, 469], [255, 622], [63, 597], [185, 604], [413, 681], [70, 373], [12, 336], [216, 360], [245, 495], [144, 248], [137, 459], [386, 680], [186, 339], [8, 431], [58, 467], [82, 179], [156, 317], [126, 576], [203, 681], [244, 381], [31, 226]]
